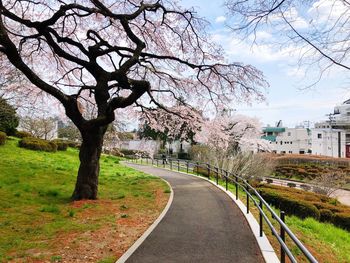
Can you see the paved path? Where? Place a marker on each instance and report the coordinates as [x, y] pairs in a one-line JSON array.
[[202, 225]]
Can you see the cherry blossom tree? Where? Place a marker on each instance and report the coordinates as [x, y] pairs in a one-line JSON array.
[[227, 135], [98, 56]]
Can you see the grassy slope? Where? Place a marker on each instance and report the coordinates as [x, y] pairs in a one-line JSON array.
[[325, 241], [35, 188]]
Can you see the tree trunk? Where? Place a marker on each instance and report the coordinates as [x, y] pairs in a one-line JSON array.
[[86, 186]]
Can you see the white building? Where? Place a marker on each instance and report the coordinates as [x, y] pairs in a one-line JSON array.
[[288, 140], [329, 142]]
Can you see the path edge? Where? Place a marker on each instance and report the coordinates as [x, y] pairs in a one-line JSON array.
[[264, 244], [149, 230]]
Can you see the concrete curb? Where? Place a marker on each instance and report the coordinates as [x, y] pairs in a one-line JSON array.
[[142, 238], [266, 249]]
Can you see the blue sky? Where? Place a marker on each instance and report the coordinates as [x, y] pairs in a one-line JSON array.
[[288, 99]]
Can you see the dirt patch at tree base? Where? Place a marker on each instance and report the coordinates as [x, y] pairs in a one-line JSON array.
[[112, 226]]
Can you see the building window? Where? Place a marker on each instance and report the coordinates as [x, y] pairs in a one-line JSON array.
[[289, 133], [291, 142], [290, 151], [319, 135], [283, 152], [281, 142], [301, 152]]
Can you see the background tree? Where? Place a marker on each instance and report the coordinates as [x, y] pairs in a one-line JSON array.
[[44, 128], [8, 118], [99, 56], [328, 183], [231, 143], [69, 131], [316, 30]]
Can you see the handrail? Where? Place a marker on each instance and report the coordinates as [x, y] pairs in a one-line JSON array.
[[233, 178]]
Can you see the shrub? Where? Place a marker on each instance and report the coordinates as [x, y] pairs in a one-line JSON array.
[[202, 171], [2, 138], [290, 206], [61, 144], [22, 134], [269, 181], [291, 185], [305, 187], [8, 118], [342, 220], [326, 215], [73, 144], [183, 155], [38, 144]]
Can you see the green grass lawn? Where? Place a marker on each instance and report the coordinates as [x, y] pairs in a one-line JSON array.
[[36, 214]]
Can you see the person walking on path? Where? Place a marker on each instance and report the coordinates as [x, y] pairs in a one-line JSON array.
[[164, 159]]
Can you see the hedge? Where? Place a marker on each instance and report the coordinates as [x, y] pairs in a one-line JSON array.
[[183, 155], [22, 134], [38, 144], [342, 220], [61, 144], [2, 138], [290, 206], [203, 170], [303, 204]]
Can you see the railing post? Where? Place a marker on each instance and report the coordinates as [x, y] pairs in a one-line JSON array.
[[171, 164], [157, 162], [283, 237], [187, 164], [247, 189], [208, 167], [197, 165], [152, 161], [236, 183], [141, 160], [164, 160], [261, 218], [178, 165], [217, 175], [226, 180]]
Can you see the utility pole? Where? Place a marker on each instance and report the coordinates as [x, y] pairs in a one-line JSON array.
[[331, 121]]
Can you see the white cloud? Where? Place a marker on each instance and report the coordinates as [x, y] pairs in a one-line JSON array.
[[220, 19], [325, 10]]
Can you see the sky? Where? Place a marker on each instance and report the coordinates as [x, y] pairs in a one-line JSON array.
[[289, 97]]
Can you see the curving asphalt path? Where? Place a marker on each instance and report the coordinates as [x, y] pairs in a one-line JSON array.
[[202, 225]]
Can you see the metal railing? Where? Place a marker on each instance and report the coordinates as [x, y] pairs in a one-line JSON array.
[[252, 194]]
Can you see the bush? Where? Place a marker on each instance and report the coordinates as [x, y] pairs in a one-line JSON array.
[[22, 134], [61, 144], [183, 155], [203, 171], [290, 206], [269, 181], [326, 215], [2, 138], [38, 144], [128, 152], [293, 185], [8, 118], [305, 187], [342, 220], [73, 144]]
